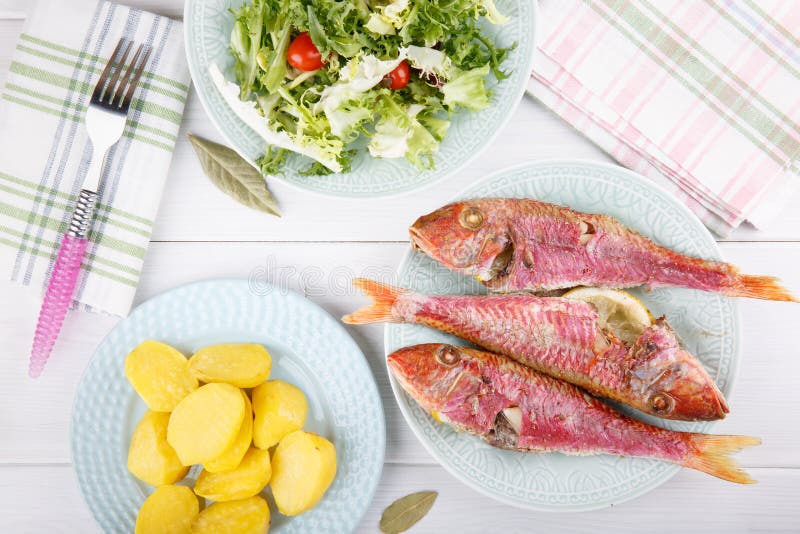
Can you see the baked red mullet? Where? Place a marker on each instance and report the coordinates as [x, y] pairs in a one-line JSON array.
[[513, 244], [514, 407], [562, 337]]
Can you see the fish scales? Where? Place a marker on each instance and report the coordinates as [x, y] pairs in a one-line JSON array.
[[562, 338], [562, 332], [609, 259], [554, 416], [512, 244], [514, 407]]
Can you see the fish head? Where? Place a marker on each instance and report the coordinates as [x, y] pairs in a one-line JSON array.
[[437, 375], [670, 381], [470, 237]]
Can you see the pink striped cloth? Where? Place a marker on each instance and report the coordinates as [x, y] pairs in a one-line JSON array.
[[702, 96]]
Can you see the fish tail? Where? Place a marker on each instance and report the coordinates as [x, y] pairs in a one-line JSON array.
[[711, 456], [761, 287], [380, 311]]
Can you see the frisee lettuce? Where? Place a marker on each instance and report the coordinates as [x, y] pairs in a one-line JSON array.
[[319, 114], [467, 89]]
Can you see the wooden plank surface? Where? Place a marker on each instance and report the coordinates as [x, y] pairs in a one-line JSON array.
[[689, 502], [201, 234], [765, 388], [533, 134]]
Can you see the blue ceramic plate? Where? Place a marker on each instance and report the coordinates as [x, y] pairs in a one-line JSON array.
[[708, 324], [309, 349], [208, 30]]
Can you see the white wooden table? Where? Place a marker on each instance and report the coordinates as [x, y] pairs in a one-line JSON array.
[[201, 234]]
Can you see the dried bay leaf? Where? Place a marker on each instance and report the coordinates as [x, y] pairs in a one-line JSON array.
[[405, 512], [234, 176]]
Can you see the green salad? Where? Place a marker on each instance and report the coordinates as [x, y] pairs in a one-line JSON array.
[[313, 76]]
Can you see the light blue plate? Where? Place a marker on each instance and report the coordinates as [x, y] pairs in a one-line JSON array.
[[309, 349], [708, 324], [208, 28]]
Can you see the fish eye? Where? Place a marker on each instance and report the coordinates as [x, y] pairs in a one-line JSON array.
[[662, 403], [448, 356], [471, 218]]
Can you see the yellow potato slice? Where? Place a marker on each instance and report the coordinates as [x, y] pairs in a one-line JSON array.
[[248, 479], [244, 365], [150, 458], [205, 423], [234, 454], [303, 467], [160, 375], [168, 510], [248, 516], [279, 409]]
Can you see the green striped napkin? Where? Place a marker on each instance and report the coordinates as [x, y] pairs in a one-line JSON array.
[[45, 152]]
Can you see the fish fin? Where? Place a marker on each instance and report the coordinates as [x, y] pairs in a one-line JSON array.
[[711, 456], [762, 287], [380, 311]]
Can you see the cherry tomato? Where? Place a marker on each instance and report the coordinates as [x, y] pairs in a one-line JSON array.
[[302, 53], [399, 77]]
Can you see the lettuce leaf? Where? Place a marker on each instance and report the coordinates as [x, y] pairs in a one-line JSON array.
[[399, 133], [389, 18], [344, 102], [245, 45], [302, 143], [467, 89], [430, 61], [319, 114]]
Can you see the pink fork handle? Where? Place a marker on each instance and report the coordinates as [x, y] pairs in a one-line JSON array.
[[56, 300]]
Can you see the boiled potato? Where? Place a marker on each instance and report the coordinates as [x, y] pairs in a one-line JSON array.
[[160, 375], [244, 365], [234, 454], [150, 458], [248, 516], [279, 409], [303, 467], [168, 510], [206, 423], [248, 479]]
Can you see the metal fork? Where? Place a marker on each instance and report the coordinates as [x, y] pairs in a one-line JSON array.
[[105, 121]]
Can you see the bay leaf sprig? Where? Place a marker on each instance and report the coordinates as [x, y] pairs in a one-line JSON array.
[[405, 512], [234, 176]]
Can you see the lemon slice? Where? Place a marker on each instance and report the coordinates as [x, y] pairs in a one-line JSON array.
[[619, 311]]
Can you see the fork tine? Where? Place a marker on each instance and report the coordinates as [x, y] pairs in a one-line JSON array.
[[135, 81], [112, 84], [101, 82], [119, 97]]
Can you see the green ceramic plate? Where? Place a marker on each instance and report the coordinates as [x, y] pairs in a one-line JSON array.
[[708, 324], [208, 28], [309, 349]]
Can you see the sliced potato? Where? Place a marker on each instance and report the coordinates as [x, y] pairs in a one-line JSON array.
[[160, 375], [279, 409], [248, 479], [168, 510], [244, 365], [303, 467], [248, 516], [150, 458], [234, 454], [206, 423]]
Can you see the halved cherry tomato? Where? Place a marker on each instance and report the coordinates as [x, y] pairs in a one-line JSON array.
[[303, 54], [400, 76]]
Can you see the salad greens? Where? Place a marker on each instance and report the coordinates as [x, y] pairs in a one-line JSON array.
[[364, 87]]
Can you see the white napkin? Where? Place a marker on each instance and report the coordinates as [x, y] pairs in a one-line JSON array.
[[45, 151], [701, 97]]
